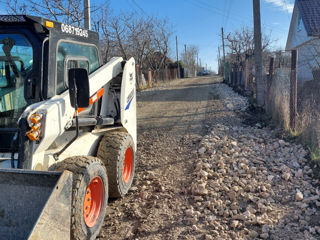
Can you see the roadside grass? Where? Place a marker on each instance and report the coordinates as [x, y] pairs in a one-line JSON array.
[[315, 156]]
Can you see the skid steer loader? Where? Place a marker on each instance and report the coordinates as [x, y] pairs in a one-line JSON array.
[[67, 130]]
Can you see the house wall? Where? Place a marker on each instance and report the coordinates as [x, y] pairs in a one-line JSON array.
[[300, 35], [297, 32], [308, 48], [308, 60]]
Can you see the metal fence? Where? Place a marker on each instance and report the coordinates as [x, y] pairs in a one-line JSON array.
[[292, 92], [147, 77]]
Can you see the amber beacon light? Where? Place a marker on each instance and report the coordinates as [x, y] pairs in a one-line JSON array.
[[49, 24]]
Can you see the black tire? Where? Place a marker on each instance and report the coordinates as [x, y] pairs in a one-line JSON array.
[[112, 151], [85, 170]]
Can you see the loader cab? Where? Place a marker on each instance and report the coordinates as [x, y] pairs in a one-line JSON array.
[[67, 47], [21, 50], [20, 64], [35, 55]]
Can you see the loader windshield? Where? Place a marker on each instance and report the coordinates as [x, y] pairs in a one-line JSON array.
[[16, 58]]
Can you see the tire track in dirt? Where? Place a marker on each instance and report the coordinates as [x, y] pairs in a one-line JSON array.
[[170, 124]]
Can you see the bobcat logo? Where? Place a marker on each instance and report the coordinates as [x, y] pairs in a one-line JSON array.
[[131, 77]]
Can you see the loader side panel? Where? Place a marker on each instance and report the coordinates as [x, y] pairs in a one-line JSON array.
[[128, 100], [104, 74]]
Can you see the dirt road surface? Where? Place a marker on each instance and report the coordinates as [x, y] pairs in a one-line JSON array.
[[202, 174], [171, 121]]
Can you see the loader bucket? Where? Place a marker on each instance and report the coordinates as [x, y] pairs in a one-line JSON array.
[[35, 205]]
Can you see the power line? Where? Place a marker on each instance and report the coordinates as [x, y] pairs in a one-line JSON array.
[[133, 8], [235, 17], [138, 6], [224, 9], [228, 13]]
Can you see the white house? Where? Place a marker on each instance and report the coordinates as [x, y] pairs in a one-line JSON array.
[[304, 36]]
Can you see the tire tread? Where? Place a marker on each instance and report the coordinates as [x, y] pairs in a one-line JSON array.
[[77, 165], [109, 152]]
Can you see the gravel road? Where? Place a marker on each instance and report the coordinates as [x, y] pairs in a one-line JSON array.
[[202, 174]]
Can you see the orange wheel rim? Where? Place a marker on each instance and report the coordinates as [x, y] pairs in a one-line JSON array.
[[128, 165], [93, 201]]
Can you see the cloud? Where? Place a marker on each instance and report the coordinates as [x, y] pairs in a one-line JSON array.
[[284, 5]]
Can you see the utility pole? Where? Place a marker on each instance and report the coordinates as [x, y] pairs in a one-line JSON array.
[[197, 60], [223, 49], [258, 53], [197, 66], [219, 60], [177, 56], [86, 12]]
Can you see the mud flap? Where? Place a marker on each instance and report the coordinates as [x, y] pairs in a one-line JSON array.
[[35, 205]]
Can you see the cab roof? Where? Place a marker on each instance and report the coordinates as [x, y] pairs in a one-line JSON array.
[[53, 28]]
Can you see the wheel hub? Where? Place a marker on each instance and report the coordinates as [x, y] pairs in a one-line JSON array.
[[93, 201], [128, 165]]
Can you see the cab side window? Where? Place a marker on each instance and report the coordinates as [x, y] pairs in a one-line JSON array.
[[72, 55], [74, 62]]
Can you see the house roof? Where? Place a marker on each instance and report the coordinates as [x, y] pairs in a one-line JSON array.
[[310, 13]]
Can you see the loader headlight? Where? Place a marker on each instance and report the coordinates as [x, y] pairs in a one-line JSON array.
[[35, 127], [35, 118], [33, 136], [34, 133]]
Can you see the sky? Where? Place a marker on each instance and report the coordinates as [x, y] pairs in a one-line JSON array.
[[199, 22]]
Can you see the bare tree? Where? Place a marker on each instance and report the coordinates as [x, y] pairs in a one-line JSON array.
[[190, 58], [127, 35], [241, 42], [144, 38], [100, 24], [15, 7], [67, 11], [158, 50], [119, 35], [139, 35]]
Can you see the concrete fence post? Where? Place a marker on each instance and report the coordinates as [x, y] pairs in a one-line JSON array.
[[246, 74], [138, 75], [271, 70], [293, 89], [269, 79], [150, 78]]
